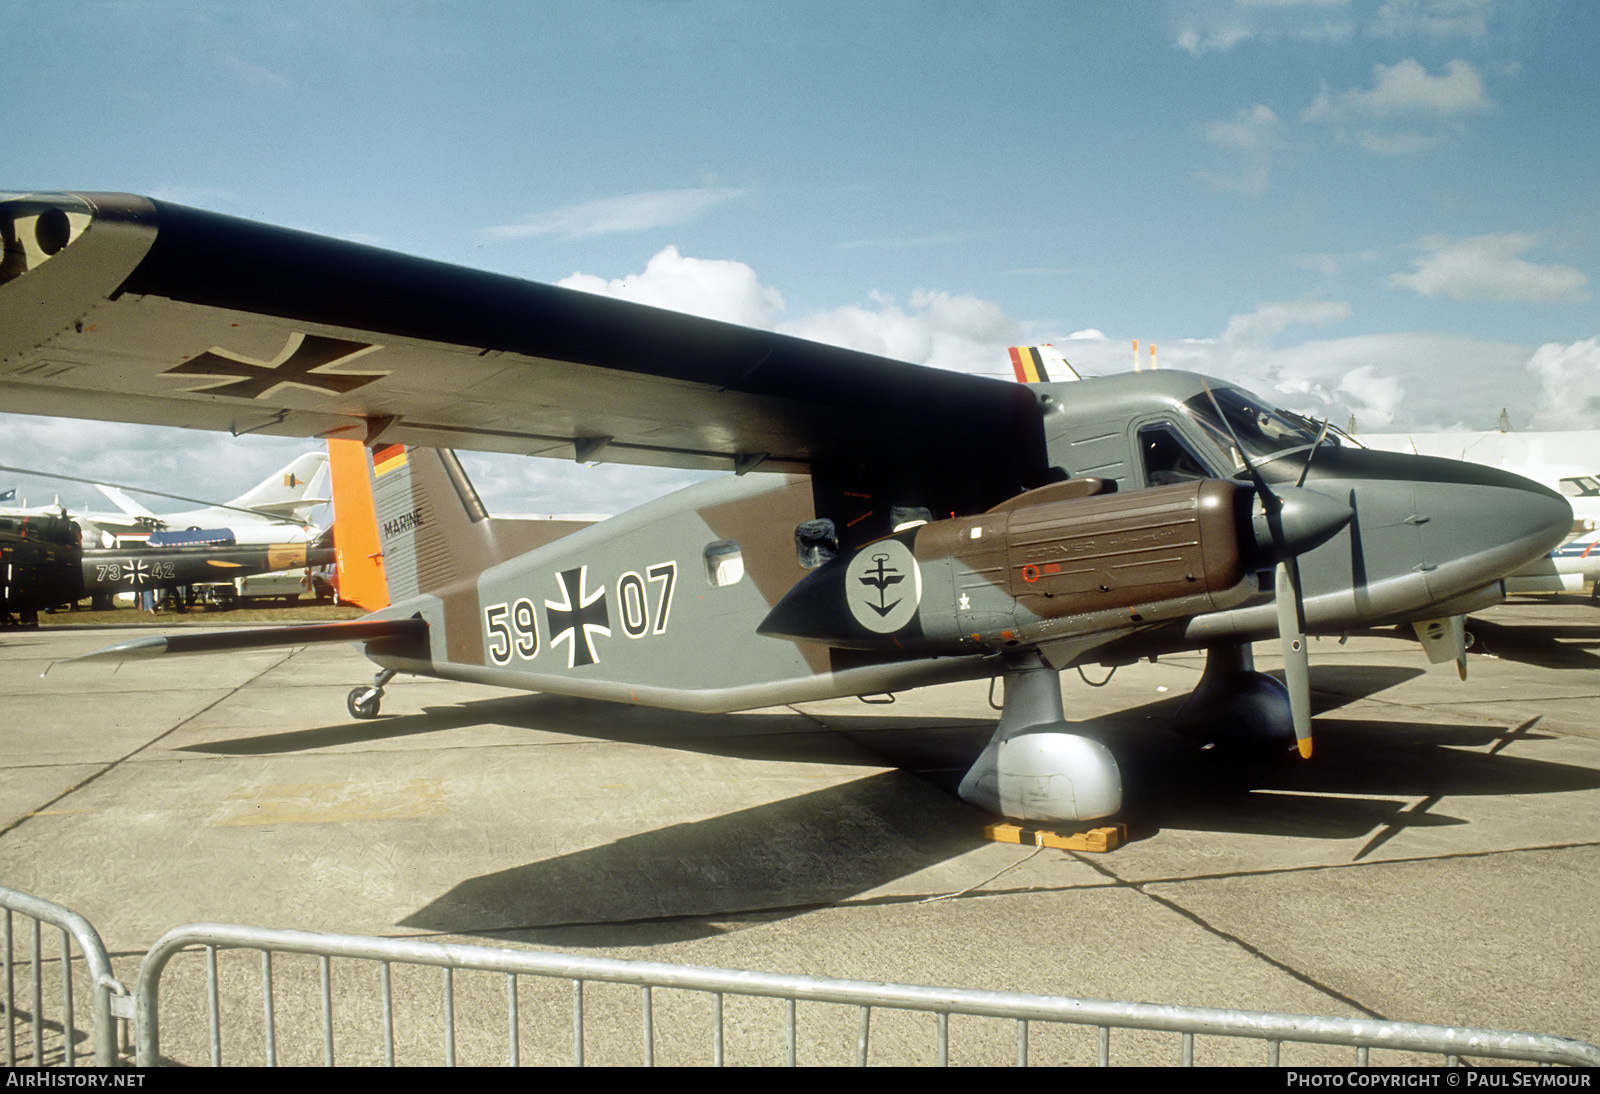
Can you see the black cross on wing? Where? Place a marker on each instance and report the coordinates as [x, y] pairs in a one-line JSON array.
[[301, 363]]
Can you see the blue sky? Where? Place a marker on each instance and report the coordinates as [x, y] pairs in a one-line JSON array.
[[1371, 207]]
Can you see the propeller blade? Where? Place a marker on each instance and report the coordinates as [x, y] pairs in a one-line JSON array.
[[1311, 455], [1286, 585], [1296, 658], [1269, 501]]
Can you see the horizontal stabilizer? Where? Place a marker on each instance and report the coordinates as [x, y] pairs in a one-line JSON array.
[[354, 630]]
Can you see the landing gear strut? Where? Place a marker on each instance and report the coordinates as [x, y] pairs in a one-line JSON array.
[[1034, 768], [363, 702]]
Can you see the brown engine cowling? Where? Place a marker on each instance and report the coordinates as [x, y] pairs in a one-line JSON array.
[[1063, 560]]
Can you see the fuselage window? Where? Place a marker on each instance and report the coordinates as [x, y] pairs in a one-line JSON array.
[[1168, 458], [724, 563]]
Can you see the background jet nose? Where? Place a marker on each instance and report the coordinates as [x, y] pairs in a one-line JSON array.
[[1305, 520]]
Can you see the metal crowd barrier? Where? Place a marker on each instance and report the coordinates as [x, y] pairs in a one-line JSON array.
[[102, 986], [723, 997], [1273, 1030]]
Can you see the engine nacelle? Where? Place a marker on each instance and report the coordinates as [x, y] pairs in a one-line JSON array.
[[1065, 559]]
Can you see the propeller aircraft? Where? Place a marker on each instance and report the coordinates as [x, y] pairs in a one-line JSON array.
[[885, 526]]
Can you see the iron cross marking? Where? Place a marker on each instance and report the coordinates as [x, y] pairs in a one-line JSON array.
[[881, 578], [302, 356], [577, 626]]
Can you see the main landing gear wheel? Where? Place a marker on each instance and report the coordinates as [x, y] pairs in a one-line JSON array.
[[363, 702]]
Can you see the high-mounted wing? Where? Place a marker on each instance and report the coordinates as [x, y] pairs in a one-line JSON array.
[[126, 308]]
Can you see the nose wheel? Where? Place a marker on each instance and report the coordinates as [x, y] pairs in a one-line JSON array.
[[363, 702]]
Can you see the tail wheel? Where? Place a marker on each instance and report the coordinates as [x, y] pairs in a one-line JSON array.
[[363, 702]]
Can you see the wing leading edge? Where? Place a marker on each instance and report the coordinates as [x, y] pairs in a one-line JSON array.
[[126, 308]]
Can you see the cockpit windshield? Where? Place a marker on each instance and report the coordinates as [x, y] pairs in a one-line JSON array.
[[1262, 432]]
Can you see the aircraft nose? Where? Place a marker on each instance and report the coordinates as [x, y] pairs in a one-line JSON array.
[[1458, 525], [1481, 522]]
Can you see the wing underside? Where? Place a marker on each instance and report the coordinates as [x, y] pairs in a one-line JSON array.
[[124, 308]]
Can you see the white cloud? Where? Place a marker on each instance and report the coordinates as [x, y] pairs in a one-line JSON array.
[[945, 330], [1218, 39], [709, 287], [1403, 379], [1406, 88], [1217, 26], [1399, 380], [1374, 399], [1435, 18], [624, 213], [1569, 377], [1253, 135], [1407, 110], [1488, 267], [1257, 329]]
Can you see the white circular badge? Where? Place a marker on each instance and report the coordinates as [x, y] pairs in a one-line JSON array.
[[883, 586]]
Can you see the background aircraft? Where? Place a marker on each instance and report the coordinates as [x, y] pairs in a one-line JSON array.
[[40, 566], [159, 569], [919, 526], [276, 510]]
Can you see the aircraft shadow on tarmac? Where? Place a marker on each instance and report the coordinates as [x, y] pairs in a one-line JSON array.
[[1547, 646], [673, 883], [834, 844], [776, 737]]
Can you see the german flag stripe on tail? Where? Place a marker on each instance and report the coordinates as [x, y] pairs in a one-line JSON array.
[[391, 457]]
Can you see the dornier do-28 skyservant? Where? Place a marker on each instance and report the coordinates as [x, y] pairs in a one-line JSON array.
[[902, 525]]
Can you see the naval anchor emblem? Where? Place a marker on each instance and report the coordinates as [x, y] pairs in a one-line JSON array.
[[300, 363], [883, 586], [577, 618]]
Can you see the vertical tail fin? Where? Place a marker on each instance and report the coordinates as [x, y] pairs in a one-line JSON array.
[[434, 529], [355, 530], [419, 526], [286, 490], [1035, 364]]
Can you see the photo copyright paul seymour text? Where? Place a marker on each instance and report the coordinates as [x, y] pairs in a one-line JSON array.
[[1453, 1077]]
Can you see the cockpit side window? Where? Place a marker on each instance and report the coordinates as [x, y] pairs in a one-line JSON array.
[[1168, 458]]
